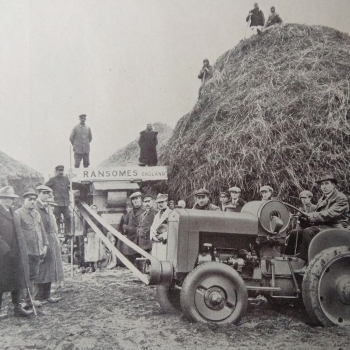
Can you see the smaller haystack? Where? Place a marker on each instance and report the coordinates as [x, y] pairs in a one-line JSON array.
[[129, 155], [18, 175]]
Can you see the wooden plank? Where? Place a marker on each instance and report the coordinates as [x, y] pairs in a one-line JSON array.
[[114, 250]]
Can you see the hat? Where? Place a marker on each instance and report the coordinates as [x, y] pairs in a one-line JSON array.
[[266, 188], [7, 192], [224, 193], [305, 194], [326, 176], [147, 195], [234, 189], [43, 188], [161, 197], [135, 195], [59, 167], [30, 193], [202, 192], [82, 115], [171, 201]]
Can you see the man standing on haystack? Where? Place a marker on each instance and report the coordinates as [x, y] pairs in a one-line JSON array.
[[60, 186], [256, 18], [148, 146], [205, 74], [80, 139], [51, 269], [14, 274], [35, 237]]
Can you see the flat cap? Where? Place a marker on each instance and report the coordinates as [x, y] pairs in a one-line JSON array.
[[202, 192], [82, 115], [59, 167], [161, 197], [136, 194], [266, 188], [30, 193], [305, 194], [325, 177], [234, 189], [43, 188], [148, 195]]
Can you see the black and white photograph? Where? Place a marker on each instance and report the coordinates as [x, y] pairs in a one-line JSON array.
[[174, 174]]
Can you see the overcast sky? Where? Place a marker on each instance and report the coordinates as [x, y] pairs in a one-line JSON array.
[[124, 63]]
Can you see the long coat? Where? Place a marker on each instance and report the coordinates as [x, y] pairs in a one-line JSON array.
[[130, 226], [143, 231], [148, 147], [51, 269], [80, 138], [257, 18], [159, 248], [14, 273], [33, 231], [331, 212], [60, 186]]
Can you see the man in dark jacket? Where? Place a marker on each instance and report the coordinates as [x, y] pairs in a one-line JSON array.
[[51, 269], [330, 212], [224, 200], [131, 225], [144, 228], [35, 237], [60, 186], [257, 19], [237, 202], [148, 146], [14, 274], [202, 200], [80, 139]]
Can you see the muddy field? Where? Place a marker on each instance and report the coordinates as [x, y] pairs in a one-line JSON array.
[[113, 310]]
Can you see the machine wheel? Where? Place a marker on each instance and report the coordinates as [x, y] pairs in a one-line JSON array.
[[168, 299], [214, 292], [326, 287]]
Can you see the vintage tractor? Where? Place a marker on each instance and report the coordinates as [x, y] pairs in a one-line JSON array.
[[216, 260]]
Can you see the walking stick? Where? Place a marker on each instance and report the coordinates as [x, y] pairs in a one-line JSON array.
[[31, 301], [245, 35], [72, 222]]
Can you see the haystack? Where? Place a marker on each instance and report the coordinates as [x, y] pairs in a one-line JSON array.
[[276, 112], [129, 155], [18, 175]]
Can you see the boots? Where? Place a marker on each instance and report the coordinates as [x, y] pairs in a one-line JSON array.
[[20, 312]]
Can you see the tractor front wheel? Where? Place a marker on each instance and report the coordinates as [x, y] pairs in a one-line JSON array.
[[214, 292], [326, 287]]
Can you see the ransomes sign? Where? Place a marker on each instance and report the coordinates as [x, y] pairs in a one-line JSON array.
[[120, 173]]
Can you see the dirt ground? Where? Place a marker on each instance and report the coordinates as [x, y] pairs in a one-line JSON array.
[[113, 310]]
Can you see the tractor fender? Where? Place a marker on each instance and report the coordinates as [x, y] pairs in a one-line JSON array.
[[334, 237]]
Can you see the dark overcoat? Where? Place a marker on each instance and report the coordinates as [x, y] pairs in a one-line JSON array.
[[144, 235], [330, 212], [132, 221], [237, 207], [148, 147], [51, 269], [60, 186], [14, 272]]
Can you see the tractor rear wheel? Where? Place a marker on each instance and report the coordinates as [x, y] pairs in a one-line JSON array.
[[214, 292], [326, 287], [168, 299]]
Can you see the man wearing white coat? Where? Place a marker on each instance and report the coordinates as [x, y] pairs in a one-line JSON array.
[[158, 230]]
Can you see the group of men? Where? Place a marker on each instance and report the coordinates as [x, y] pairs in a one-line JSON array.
[[30, 254]]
